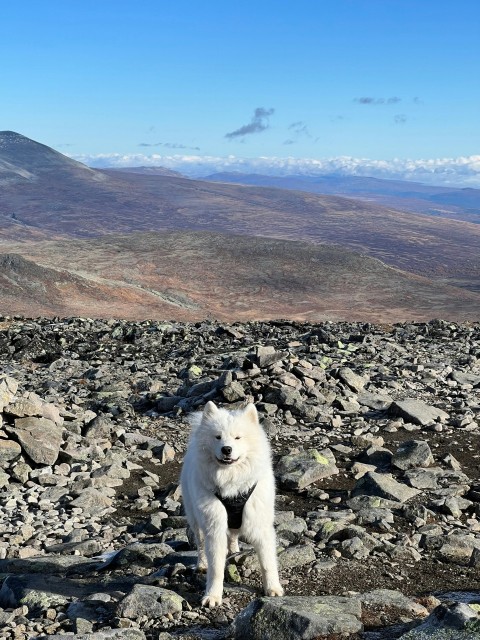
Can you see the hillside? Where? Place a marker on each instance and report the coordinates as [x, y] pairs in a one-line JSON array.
[[191, 276], [145, 257]]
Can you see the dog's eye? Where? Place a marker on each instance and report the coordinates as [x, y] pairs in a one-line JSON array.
[[218, 437], [237, 437]]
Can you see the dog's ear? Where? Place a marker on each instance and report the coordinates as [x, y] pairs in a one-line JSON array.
[[210, 410], [250, 413]]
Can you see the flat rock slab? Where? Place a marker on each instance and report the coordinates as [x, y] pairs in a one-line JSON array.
[[153, 602], [417, 411], [298, 470], [383, 485], [49, 564], [44, 591], [374, 400], [298, 618]]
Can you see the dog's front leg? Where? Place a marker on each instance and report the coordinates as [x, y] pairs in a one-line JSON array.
[[266, 549], [216, 550]]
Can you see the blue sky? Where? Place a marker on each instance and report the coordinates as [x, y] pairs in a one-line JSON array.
[[382, 87]]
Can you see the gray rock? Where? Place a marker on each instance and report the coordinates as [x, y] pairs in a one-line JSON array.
[[352, 379], [417, 411], [8, 389], [285, 397], [100, 427], [292, 530], [374, 400], [153, 602], [314, 373], [233, 392], [9, 450], [264, 356], [463, 378], [17, 591], [455, 621], [144, 554], [4, 479], [92, 501], [51, 564], [458, 549], [40, 438], [411, 454], [383, 485], [377, 456], [298, 470], [33, 405], [296, 556], [298, 618], [424, 478], [376, 602]]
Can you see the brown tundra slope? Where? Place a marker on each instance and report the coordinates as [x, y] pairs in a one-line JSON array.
[[129, 244], [190, 276]]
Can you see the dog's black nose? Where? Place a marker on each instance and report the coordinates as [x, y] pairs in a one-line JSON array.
[[226, 451]]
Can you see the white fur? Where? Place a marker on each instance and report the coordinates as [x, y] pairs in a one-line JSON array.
[[203, 475]]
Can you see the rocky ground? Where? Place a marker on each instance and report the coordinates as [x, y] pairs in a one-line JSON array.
[[375, 434]]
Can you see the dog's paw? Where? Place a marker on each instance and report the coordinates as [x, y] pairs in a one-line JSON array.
[[211, 601], [275, 590]]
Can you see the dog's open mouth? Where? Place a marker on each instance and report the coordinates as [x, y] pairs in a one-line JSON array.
[[227, 461]]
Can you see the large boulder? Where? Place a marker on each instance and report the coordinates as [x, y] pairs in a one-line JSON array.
[[299, 618], [298, 470]]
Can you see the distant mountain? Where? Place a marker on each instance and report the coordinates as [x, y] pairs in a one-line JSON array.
[[460, 204], [45, 195], [151, 171]]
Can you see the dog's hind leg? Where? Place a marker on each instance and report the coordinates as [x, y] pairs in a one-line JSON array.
[[233, 541], [202, 563]]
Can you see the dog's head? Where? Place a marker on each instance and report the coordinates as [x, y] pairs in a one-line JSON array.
[[228, 436]]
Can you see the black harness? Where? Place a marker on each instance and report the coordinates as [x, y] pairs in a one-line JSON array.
[[234, 507]]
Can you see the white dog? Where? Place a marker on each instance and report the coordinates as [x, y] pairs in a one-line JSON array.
[[228, 490]]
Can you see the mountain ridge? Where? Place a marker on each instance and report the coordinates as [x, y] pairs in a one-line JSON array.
[[462, 203]]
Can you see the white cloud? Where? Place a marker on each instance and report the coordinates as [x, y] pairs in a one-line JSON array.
[[456, 172]]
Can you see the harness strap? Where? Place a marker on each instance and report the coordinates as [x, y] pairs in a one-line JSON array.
[[234, 506]]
